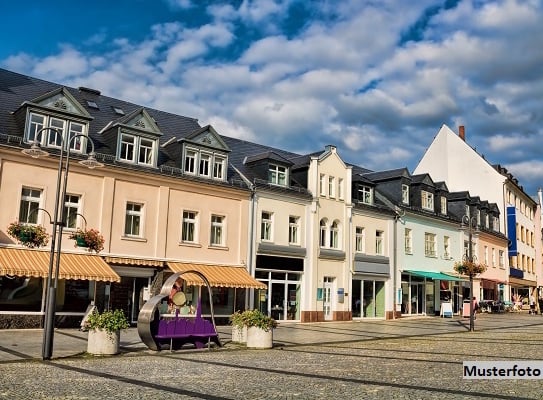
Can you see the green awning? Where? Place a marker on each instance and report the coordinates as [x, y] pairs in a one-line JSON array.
[[437, 276]]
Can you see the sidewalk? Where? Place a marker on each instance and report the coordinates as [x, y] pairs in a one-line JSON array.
[[26, 344]]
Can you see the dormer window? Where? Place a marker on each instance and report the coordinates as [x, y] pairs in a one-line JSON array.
[[427, 200], [443, 205], [405, 194], [219, 167], [136, 149], [64, 129], [277, 175], [365, 195], [203, 163]]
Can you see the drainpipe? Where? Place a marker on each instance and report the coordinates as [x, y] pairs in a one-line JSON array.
[[397, 218], [250, 261]]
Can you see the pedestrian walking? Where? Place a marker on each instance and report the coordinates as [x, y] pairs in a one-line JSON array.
[[475, 306], [532, 304]]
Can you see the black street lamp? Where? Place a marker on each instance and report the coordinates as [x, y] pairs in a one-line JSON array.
[[35, 151], [471, 226]]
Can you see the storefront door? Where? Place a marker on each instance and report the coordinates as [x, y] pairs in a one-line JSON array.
[[417, 298], [282, 299], [278, 300], [327, 298]]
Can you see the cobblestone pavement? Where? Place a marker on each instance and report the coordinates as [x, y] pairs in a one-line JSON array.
[[401, 359]]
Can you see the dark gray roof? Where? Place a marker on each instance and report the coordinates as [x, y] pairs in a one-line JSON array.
[[16, 89]]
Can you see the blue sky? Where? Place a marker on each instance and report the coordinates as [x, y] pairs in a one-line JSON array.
[[376, 78]]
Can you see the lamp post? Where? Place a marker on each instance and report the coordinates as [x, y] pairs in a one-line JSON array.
[[35, 151], [470, 224]]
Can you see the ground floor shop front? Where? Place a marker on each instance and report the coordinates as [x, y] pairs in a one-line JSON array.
[[424, 292]]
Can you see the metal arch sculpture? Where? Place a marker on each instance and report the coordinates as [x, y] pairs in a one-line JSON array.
[[149, 315]]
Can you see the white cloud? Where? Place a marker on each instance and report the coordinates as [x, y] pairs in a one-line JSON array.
[[342, 78]]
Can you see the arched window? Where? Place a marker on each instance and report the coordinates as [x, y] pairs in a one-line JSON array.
[[323, 230], [334, 235]]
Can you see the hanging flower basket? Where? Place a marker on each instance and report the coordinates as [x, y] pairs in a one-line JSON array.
[[28, 235], [469, 268], [88, 238]]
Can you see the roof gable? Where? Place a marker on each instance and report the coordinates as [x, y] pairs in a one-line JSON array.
[[206, 136], [60, 100]]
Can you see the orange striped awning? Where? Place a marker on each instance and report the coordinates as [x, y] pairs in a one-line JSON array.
[[217, 275], [134, 261], [35, 263]]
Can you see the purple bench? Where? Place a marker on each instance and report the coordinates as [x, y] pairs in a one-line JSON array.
[[180, 330]]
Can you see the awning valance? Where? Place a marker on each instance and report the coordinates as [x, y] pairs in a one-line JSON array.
[[434, 275], [521, 282], [134, 261], [217, 275], [35, 263]]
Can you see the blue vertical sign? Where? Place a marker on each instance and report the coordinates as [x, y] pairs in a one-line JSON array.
[[512, 230]]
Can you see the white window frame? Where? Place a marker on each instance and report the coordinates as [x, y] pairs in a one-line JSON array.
[[430, 244], [322, 186], [28, 206], [379, 242], [72, 204], [365, 195], [266, 226], [408, 241], [331, 187], [443, 205], [189, 161], [278, 175], [427, 200], [204, 164], [189, 220], [294, 230], [323, 238], [360, 239], [446, 247], [218, 230], [132, 150], [405, 194], [146, 151], [219, 163], [133, 225], [494, 257], [340, 189], [68, 129], [335, 236], [127, 148]]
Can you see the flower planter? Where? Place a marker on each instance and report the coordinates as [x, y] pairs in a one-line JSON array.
[[258, 338], [80, 242], [101, 343], [25, 237], [239, 334]]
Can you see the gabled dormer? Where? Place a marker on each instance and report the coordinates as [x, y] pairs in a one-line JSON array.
[[135, 138], [203, 153], [363, 190], [423, 192], [61, 113], [441, 194], [271, 167], [394, 184]]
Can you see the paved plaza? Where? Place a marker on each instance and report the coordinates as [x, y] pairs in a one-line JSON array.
[[407, 358]]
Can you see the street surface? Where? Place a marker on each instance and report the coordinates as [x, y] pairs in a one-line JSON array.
[[408, 358]]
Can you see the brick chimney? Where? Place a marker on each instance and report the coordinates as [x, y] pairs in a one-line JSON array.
[[462, 132]]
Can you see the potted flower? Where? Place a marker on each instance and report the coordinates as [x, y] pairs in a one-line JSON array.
[[89, 238], [105, 331], [28, 235], [239, 329], [259, 328]]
